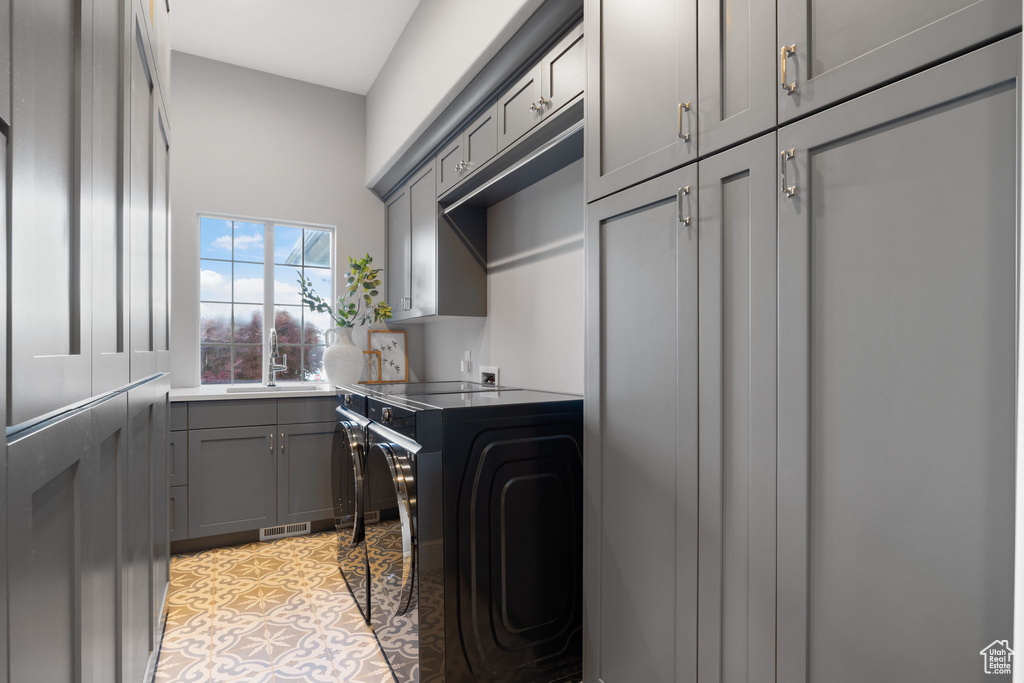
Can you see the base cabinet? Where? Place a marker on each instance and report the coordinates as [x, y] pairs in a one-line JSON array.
[[304, 472]]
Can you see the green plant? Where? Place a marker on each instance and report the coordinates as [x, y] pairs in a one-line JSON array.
[[362, 282]]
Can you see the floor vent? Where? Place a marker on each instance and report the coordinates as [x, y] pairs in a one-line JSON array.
[[272, 532], [372, 517]]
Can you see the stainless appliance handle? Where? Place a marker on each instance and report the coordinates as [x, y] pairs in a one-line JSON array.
[[344, 414], [355, 444], [401, 476]]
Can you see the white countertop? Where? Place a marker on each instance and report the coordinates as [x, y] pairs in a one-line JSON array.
[[219, 392]]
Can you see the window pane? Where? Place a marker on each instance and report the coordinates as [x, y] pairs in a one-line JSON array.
[[294, 353], [313, 364], [214, 323], [287, 245], [288, 323], [318, 248], [321, 279], [249, 242], [215, 364], [248, 364], [214, 238], [314, 326], [249, 283], [249, 324], [214, 281], [286, 285]]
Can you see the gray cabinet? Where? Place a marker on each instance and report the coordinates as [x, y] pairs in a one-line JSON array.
[[641, 117], [519, 109], [735, 71], [178, 513], [476, 145], [398, 224], [50, 346], [842, 48], [896, 436], [737, 382], [564, 71], [5, 74], [304, 489], [177, 459], [232, 480], [641, 475]]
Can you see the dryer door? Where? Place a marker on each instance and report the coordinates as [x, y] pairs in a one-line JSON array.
[[349, 490]]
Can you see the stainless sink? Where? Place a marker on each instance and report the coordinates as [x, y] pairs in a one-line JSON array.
[[252, 388]]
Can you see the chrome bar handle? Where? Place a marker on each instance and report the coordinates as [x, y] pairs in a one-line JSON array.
[[685, 220], [271, 442], [401, 477], [282, 441], [784, 52], [784, 186], [684, 106]]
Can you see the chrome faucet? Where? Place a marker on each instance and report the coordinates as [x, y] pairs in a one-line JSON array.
[[274, 366]]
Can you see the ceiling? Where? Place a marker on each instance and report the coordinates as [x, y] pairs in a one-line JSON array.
[[337, 43]]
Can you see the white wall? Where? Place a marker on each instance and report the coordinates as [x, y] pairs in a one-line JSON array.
[[249, 143], [534, 327], [444, 45]]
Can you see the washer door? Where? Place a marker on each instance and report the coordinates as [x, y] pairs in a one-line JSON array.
[[349, 482]]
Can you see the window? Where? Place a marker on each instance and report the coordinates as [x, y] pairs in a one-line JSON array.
[[247, 274]]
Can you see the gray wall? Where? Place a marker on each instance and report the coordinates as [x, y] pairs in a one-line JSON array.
[[534, 327], [444, 45], [249, 143]]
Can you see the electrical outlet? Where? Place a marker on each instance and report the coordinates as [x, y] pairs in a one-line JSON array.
[[467, 362]]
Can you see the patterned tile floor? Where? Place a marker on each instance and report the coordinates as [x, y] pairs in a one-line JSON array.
[[266, 613]]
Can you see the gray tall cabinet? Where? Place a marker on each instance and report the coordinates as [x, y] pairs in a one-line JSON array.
[[83, 500], [800, 391]]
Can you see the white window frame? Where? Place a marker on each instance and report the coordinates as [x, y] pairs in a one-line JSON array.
[[268, 287]]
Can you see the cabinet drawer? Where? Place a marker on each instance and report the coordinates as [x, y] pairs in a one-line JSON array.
[[306, 409], [177, 459], [178, 512], [179, 416], [449, 166], [480, 141], [240, 413], [518, 109]]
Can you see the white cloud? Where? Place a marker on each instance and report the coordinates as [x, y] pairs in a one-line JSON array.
[[214, 285], [249, 289], [243, 242]]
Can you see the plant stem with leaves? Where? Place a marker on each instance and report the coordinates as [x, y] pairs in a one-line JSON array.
[[356, 306]]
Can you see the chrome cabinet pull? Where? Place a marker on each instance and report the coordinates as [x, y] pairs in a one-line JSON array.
[[533, 106], [544, 101], [784, 186], [684, 106], [685, 220], [282, 441], [784, 53], [271, 443]]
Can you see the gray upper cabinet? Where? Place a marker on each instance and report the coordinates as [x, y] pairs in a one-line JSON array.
[[480, 140], [896, 413], [641, 476], [232, 480], [736, 329], [829, 50], [641, 117], [423, 244], [5, 68], [564, 71], [304, 490], [519, 108], [398, 223], [450, 165], [50, 354], [735, 71]]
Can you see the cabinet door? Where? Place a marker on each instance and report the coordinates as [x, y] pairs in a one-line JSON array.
[[897, 307], [232, 475], [481, 139], [564, 71], [641, 398], [641, 117], [519, 109], [423, 244], [736, 71], [158, 502], [160, 251], [398, 223], [177, 459], [450, 165], [736, 328], [63, 495], [5, 74], [178, 513], [304, 473], [3, 406], [110, 243], [844, 48], [50, 355]]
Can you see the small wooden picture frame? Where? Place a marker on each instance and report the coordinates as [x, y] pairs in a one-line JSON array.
[[394, 365], [372, 367]]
